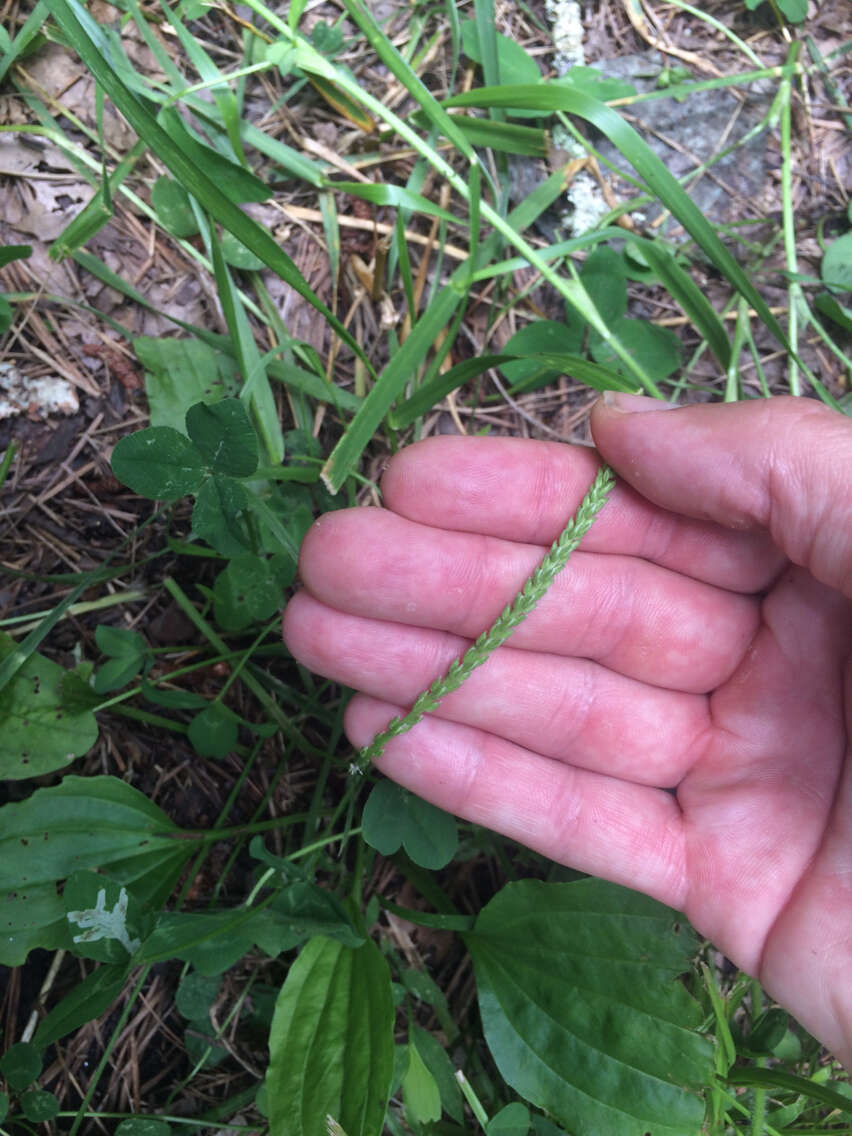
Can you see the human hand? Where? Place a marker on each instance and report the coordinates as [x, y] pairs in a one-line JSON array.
[[699, 641]]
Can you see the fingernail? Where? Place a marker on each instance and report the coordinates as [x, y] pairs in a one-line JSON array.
[[635, 403]]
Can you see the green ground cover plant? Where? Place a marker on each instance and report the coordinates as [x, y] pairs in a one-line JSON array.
[[597, 1010]]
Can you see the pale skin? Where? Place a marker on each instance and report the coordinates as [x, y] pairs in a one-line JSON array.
[[700, 641]]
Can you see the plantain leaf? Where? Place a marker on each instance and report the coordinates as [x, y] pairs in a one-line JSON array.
[[84, 822], [331, 1042], [86, 1001], [39, 730], [582, 1010]]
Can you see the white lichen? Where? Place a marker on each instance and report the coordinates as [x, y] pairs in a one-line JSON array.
[[20, 394], [567, 22]]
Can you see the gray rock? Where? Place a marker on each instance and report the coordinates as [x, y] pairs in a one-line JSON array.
[[685, 134]]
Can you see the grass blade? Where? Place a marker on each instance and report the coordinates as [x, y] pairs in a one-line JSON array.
[[550, 97], [67, 14], [430, 393], [690, 297]]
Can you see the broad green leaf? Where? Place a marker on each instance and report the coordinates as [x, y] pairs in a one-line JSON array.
[[180, 373], [86, 1001], [331, 1042], [39, 731], [767, 1032], [39, 1106], [5, 315], [582, 1010], [174, 212], [546, 337], [836, 269], [420, 1090], [4, 1106], [98, 910], [21, 1064], [196, 993], [159, 463], [237, 255], [515, 66], [247, 591], [829, 306], [219, 516], [224, 436], [213, 731], [127, 652], [596, 83], [143, 1126], [84, 822], [8, 253], [603, 277], [512, 1120], [796, 11], [203, 1048], [439, 1065], [393, 817], [658, 349]]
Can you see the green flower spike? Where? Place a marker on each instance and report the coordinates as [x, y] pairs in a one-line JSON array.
[[496, 635]]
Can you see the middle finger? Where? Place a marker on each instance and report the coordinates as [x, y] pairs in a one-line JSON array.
[[634, 617]]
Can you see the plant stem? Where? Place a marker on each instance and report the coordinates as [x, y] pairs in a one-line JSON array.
[[794, 289], [511, 616]]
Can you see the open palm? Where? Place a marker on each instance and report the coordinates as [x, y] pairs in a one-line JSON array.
[[670, 717]]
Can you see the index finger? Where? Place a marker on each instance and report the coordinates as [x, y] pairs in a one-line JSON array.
[[523, 490]]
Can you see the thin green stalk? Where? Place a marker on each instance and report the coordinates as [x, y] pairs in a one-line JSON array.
[[720, 26], [472, 1099], [94, 1081], [794, 288], [6, 464], [512, 615], [733, 386], [265, 699]]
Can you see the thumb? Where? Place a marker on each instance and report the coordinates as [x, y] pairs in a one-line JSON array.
[[781, 464]]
